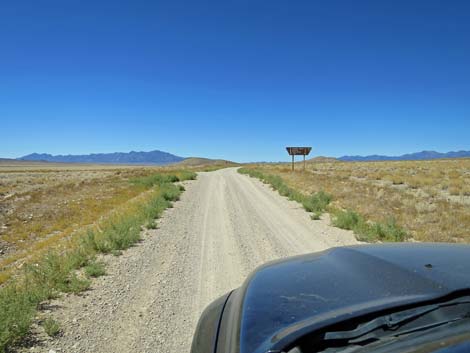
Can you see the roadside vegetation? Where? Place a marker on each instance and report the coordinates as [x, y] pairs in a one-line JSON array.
[[51, 327], [69, 264], [387, 231], [40, 209], [384, 201], [316, 203]]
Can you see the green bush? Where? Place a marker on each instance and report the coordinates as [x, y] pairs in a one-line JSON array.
[[294, 195], [315, 216], [151, 225], [160, 179], [123, 233], [317, 202], [55, 274], [95, 269], [186, 175], [51, 327], [388, 231], [369, 231], [171, 192], [347, 220], [17, 309], [155, 208], [74, 284]]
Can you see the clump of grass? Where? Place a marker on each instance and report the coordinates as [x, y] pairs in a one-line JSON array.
[[171, 193], [152, 180], [17, 309], [186, 175], [317, 202], [151, 225], [121, 234], [51, 327], [347, 220], [217, 166], [161, 178], [95, 269], [75, 284], [251, 172], [41, 281], [388, 231], [369, 231], [315, 216], [455, 187], [395, 179], [54, 274]]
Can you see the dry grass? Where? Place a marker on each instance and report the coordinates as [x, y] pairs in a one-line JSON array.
[[430, 199], [69, 264], [41, 207], [54, 222]]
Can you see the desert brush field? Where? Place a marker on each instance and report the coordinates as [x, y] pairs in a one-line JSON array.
[[56, 219], [59, 221], [389, 201], [45, 206]]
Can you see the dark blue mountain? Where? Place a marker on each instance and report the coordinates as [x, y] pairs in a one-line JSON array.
[[408, 157], [152, 157]]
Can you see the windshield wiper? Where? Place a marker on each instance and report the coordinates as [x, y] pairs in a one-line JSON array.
[[394, 321], [390, 321]]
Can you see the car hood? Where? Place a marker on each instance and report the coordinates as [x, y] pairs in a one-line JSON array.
[[284, 300]]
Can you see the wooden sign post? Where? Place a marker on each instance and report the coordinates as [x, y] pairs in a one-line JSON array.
[[298, 151]]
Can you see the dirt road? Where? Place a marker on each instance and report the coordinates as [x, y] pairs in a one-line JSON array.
[[225, 225]]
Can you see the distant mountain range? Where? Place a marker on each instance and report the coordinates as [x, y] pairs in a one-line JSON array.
[[159, 157], [408, 157], [152, 157]]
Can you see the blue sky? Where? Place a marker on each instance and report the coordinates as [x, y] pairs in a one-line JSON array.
[[234, 79]]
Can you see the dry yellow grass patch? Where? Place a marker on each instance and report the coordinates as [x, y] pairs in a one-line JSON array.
[[430, 199], [39, 208]]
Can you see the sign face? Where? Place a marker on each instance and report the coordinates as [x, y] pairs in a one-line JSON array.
[[298, 151]]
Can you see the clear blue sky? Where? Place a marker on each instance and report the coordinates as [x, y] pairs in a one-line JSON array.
[[234, 79]]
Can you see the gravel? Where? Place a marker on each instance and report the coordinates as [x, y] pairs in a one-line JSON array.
[[225, 225]]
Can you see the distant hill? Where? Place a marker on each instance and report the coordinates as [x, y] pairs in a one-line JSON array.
[[10, 161], [408, 157], [197, 161], [152, 157], [321, 159]]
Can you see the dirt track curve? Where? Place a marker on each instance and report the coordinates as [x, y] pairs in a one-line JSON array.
[[225, 225]]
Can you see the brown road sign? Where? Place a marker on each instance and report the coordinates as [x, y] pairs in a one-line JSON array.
[[298, 151]]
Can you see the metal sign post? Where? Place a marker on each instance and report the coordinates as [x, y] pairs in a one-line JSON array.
[[298, 151]]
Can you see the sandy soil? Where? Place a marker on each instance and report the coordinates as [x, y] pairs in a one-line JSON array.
[[225, 225]]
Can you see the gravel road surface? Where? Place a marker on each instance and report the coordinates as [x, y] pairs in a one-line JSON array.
[[225, 225]]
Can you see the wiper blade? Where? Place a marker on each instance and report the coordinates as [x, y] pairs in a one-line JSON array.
[[395, 320], [373, 335], [389, 321]]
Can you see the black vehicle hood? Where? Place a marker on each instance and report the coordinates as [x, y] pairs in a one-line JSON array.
[[283, 300]]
